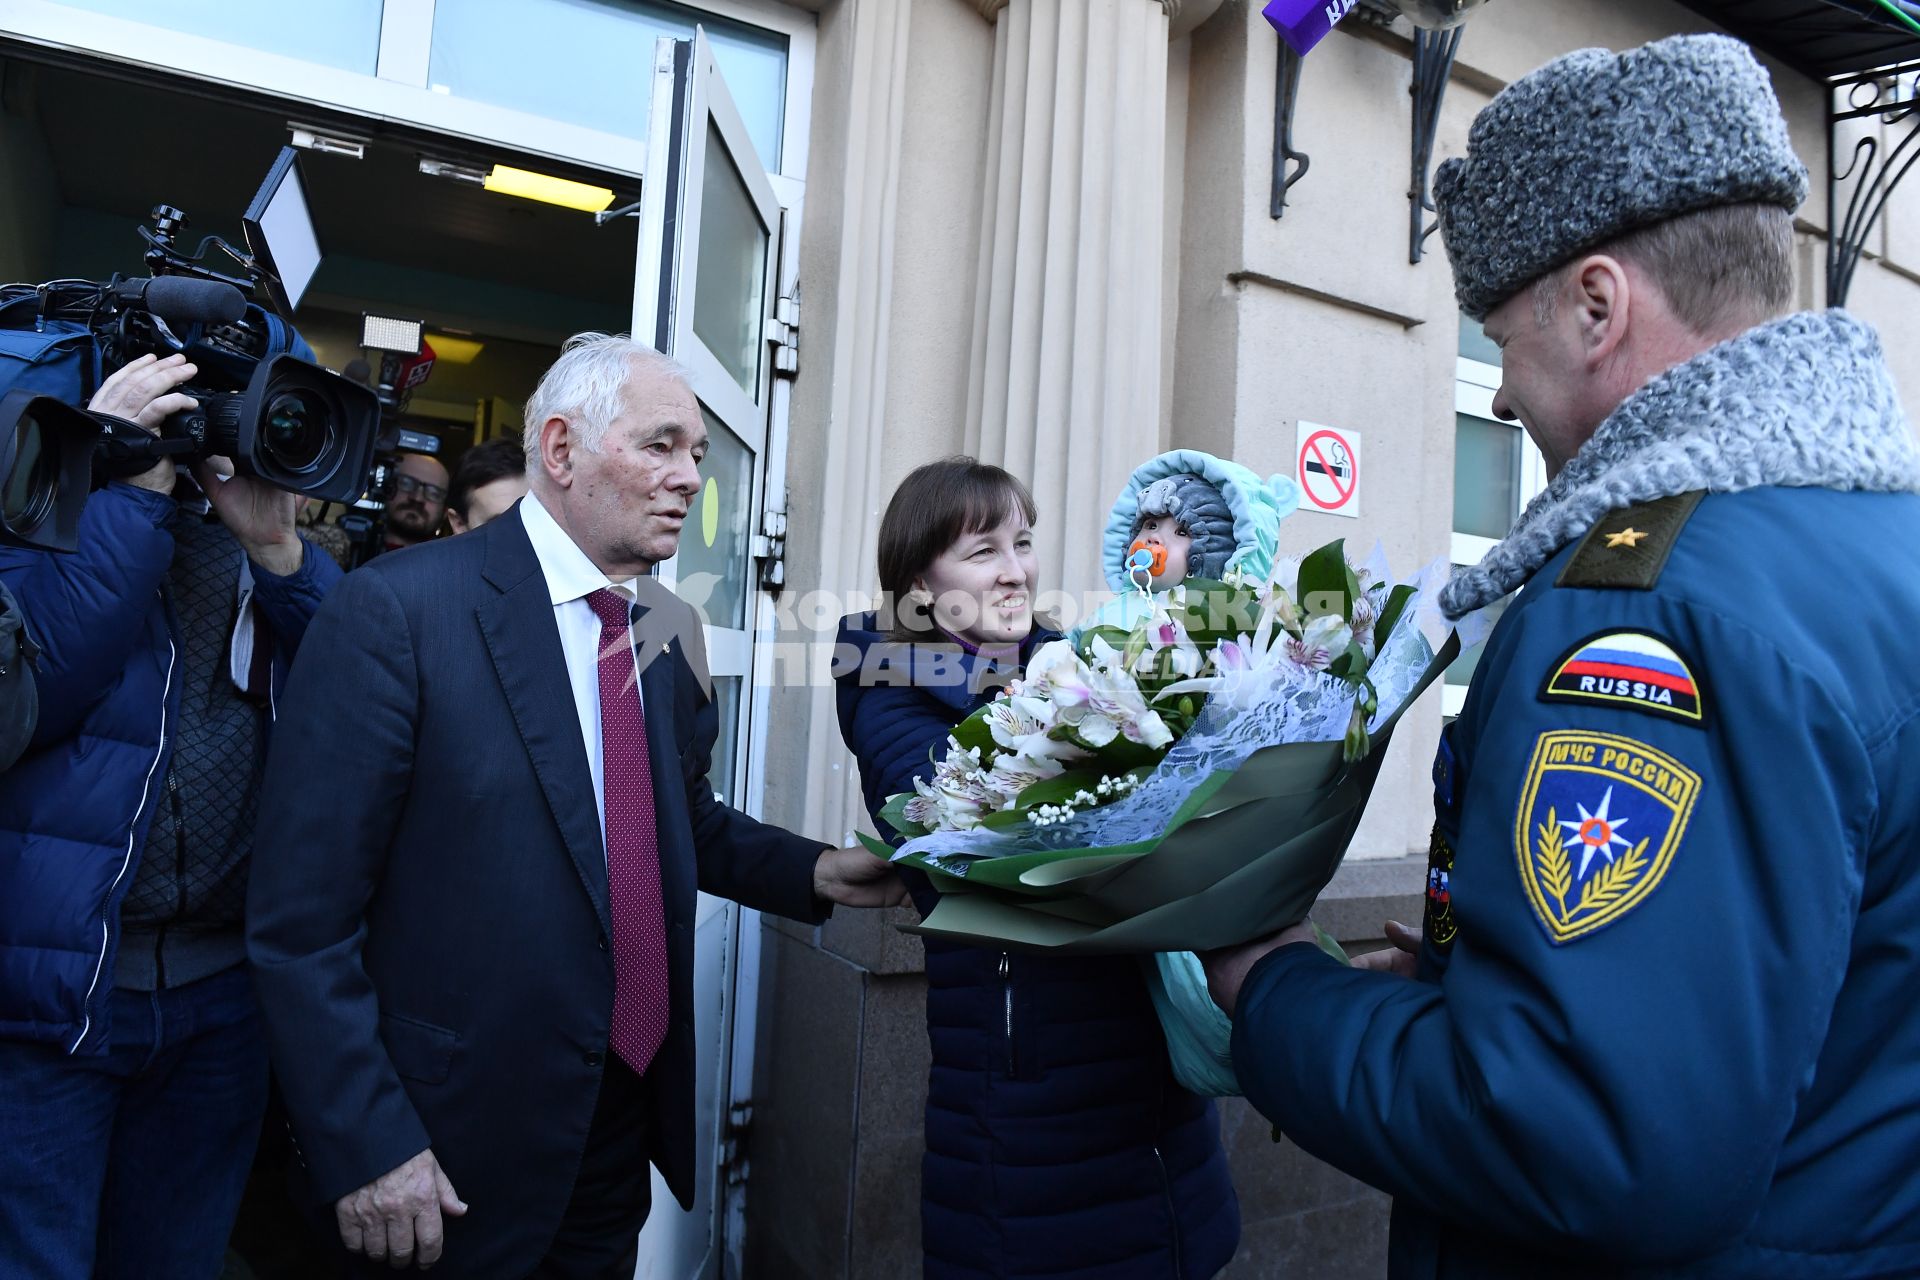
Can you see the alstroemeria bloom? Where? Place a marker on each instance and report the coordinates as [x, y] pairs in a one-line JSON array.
[[959, 795], [1324, 639], [1167, 636], [1011, 720]]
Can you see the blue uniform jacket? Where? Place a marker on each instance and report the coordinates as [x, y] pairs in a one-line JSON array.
[[1666, 1023], [1058, 1142], [74, 811]]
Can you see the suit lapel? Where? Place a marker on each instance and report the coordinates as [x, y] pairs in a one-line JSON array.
[[524, 644]]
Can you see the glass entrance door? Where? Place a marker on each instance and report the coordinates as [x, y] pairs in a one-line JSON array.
[[704, 294]]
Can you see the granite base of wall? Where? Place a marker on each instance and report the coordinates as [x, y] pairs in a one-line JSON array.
[[834, 1187]]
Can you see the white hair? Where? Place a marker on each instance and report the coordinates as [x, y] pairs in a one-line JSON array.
[[585, 385]]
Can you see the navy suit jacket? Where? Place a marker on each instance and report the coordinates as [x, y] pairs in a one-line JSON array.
[[428, 914]]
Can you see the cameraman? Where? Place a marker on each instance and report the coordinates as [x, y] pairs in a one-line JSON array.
[[419, 501], [133, 1069]]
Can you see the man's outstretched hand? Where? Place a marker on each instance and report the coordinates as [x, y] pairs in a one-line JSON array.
[[855, 878]]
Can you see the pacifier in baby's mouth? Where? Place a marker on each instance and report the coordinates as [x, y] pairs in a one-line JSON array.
[[1145, 562]]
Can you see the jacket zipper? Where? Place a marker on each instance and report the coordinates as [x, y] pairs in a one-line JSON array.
[[1173, 1218], [126, 859], [1166, 1185], [1006, 986]]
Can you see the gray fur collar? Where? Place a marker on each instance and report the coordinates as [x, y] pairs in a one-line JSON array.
[[1802, 402]]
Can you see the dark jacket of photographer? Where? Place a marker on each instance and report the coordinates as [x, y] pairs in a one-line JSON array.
[[124, 830]]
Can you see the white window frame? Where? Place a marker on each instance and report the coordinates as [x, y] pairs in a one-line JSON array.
[[1474, 384], [398, 90]]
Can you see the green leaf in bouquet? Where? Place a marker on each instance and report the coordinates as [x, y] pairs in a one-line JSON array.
[[1124, 755], [1327, 582], [1218, 611], [974, 733], [1350, 663], [1390, 614], [894, 814], [1115, 636]]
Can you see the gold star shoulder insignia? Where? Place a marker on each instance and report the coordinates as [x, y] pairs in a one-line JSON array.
[[1628, 537]]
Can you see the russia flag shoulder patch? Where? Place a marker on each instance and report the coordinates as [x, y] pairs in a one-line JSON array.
[[1634, 670]]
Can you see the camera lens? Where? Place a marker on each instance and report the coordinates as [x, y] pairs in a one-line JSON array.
[[297, 430], [31, 482]]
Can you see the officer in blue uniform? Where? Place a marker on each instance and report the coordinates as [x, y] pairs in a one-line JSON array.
[[1662, 1020]]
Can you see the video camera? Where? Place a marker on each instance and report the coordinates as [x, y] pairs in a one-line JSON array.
[[405, 362], [263, 402]]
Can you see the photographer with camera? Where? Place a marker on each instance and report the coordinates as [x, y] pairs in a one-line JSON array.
[[419, 501], [133, 1068]]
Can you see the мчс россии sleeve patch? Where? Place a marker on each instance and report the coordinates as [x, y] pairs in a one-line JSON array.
[[1600, 819]]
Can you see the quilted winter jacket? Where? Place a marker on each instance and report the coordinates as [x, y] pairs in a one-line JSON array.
[[1058, 1143]]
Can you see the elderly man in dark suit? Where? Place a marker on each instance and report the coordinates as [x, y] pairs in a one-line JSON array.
[[482, 830]]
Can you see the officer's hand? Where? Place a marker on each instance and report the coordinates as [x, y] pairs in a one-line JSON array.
[[1227, 969], [142, 392], [1401, 958]]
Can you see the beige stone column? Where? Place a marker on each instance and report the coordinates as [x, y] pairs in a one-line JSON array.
[[1068, 337], [850, 310]]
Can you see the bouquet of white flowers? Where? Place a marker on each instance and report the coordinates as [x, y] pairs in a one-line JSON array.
[[1187, 784]]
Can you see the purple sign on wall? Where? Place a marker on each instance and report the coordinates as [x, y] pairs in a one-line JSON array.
[[1304, 23]]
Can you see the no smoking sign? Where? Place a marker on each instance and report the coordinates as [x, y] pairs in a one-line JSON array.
[[1327, 464]]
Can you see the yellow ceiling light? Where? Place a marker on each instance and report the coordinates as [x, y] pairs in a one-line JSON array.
[[454, 350], [551, 190]]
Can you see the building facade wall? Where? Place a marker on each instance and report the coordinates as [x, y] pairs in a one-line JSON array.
[[1316, 316]]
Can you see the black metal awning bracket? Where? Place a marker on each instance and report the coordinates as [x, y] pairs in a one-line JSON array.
[[1873, 168], [1286, 96], [1433, 56]]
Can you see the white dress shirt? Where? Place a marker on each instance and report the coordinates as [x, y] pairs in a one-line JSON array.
[[571, 578]]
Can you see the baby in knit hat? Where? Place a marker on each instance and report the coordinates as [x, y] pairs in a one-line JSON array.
[[1187, 514], [1183, 529]]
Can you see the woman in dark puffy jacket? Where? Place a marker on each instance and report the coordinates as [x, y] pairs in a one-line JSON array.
[[1058, 1143]]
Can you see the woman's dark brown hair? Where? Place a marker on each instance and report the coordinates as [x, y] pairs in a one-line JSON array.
[[935, 506]]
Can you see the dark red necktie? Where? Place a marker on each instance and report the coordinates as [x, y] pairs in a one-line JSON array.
[[640, 991]]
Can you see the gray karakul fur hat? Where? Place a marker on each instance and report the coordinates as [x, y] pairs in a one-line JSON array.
[[1596, 144], [1198, 506]]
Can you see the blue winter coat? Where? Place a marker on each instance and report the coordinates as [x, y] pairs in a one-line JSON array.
[[1667, 1023], [1058, 1143], [74, 811]]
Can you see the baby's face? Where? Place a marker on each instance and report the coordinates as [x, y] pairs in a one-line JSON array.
[[1165, 531]]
